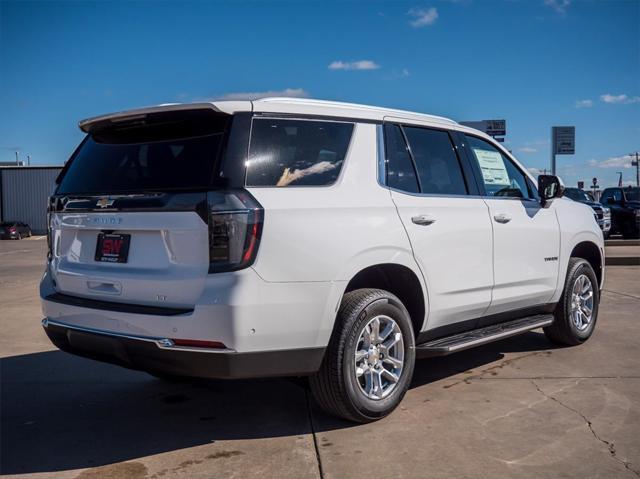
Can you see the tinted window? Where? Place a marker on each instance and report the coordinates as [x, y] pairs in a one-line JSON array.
[[632, 194], [500, 175], [400, 172], [577, 194], [296, 152], [613, 193], [436, 161], [178, 153]]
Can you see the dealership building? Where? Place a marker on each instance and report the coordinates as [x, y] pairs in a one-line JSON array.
[[24, 191]]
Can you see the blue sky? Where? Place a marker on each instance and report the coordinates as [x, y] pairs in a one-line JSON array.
[[536, 63]]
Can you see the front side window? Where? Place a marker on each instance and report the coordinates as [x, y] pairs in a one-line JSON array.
[[611, 196], [286, 152], [501, 177], [436, 161]]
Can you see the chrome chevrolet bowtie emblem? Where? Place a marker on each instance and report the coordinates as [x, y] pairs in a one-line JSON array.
[[104, 202]]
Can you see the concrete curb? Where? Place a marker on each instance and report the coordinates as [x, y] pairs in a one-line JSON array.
[[622, 261], [621, 242]]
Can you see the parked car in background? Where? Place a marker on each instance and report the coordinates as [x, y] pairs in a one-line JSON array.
[[601, 213], [625, 210], [14, 230]]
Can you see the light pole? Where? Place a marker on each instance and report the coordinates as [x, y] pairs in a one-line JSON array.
[[636, 163]]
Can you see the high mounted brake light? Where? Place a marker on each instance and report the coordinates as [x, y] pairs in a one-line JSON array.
[[235, 226]]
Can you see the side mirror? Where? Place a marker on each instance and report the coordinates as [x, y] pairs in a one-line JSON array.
[[549, 187]]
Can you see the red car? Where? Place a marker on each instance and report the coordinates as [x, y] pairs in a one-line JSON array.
[[14, 230]]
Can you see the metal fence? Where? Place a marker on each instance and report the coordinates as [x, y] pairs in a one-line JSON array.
[[24, 192]]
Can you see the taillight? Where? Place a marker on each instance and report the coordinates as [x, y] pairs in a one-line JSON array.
[[49, 218], [12, 229], [235, 226]]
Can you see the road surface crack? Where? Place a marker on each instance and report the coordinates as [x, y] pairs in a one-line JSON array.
[[610, 445], [313, 434], [622, 294]]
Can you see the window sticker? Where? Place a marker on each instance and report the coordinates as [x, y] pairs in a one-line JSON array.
[[494, 171]]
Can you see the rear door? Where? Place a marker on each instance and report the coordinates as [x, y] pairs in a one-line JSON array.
[[447, 223], [526, 236], [129, 217]]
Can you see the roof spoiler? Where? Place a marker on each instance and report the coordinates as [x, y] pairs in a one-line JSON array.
[[90, 124]]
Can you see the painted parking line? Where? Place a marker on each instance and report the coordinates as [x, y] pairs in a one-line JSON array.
[[16, 251]]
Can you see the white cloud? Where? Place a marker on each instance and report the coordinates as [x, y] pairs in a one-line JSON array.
[[527, 149], [560, 6], [623, 161], [254, 95], [423, 17], [405, 72], [584, 103], [619, 99], [355, 65]]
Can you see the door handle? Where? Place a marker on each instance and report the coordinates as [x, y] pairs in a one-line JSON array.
[[502, 218], [423, 220]]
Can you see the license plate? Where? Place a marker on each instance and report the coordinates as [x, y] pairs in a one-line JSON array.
[[112, 248]]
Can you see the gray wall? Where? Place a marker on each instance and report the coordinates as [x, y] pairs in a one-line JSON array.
[[24, 192]]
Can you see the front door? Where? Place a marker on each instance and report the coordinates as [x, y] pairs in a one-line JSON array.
[[526, 236], [449, 230]]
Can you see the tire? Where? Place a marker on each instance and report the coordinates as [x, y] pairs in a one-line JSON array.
[[629, 231], [19, 237], [565, 330], [336, 387]]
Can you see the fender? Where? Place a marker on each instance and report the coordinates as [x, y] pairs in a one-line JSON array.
[[364, 259], [577, 225]]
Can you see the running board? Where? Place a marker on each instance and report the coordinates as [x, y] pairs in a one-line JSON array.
[[477, 337]]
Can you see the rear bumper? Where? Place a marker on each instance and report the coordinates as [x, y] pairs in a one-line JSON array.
[[156, 355]]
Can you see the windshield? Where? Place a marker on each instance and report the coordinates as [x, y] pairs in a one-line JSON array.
[[160, 154], [577, 194], [632, 194]]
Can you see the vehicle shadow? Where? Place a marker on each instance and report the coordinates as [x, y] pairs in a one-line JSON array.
[[59, 412]]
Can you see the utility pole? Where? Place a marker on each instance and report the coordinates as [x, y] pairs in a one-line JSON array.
[[636, 163]]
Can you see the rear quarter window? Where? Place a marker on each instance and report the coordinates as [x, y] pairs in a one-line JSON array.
[[289, 152]]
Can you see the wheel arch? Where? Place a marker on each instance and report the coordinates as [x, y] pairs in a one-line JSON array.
[[589, 251], [400, 281]]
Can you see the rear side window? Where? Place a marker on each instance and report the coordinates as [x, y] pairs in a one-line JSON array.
[[501, 177], [296, 152], [401, 174], [437, 163]]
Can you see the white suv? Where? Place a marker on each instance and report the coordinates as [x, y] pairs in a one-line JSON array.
[[286, 237]]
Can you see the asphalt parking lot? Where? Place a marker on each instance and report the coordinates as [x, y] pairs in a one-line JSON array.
[[517, 408]]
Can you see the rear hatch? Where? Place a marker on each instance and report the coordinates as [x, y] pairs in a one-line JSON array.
[[128, 221]]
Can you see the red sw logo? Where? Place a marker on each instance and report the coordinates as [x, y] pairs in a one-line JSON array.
[[111, 246]]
